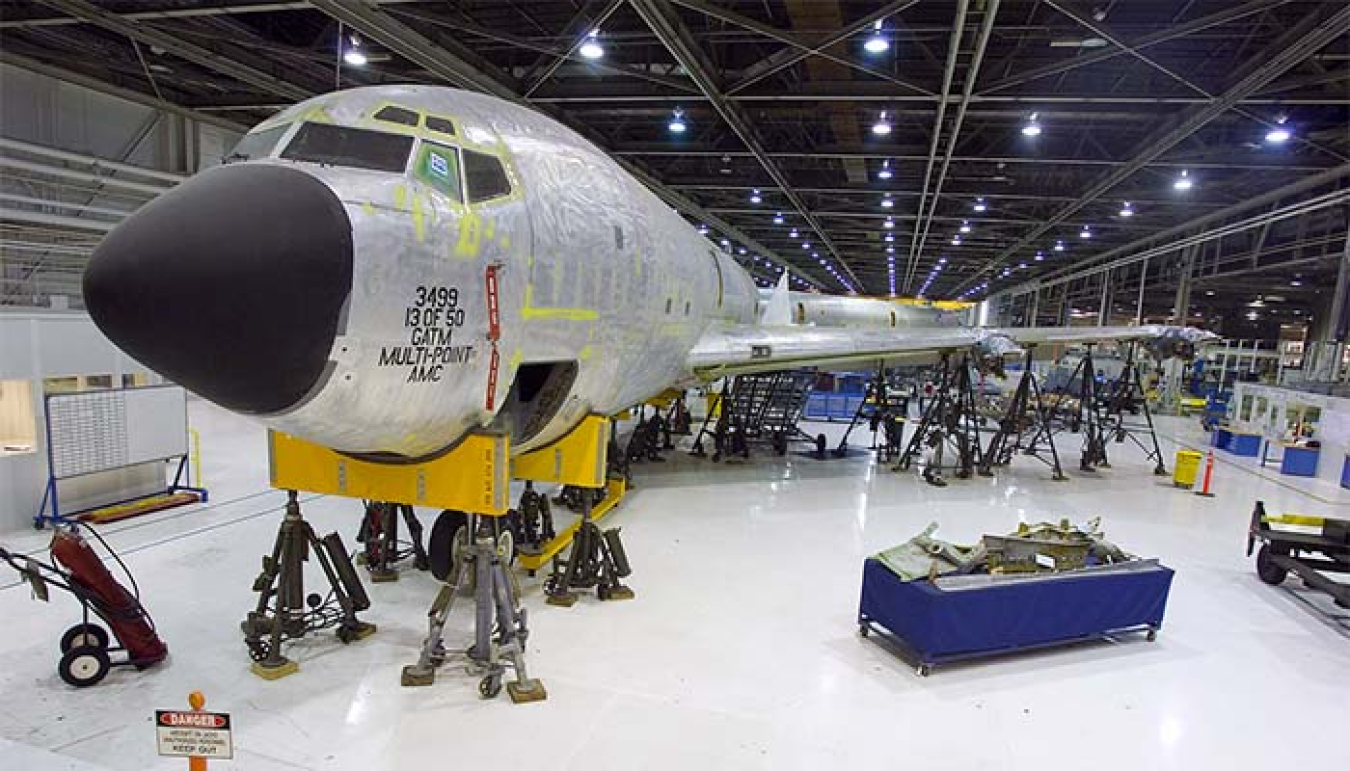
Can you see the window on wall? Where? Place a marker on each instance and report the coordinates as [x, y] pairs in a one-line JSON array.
[[18, 421], [485, 177], [438, 166]]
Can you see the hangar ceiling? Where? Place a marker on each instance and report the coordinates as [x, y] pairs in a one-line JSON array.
[[785, 98]]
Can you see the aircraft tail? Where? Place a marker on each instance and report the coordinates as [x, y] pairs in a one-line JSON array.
[[778, 311]]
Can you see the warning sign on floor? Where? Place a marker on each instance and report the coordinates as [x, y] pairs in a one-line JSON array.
[[194, 734]]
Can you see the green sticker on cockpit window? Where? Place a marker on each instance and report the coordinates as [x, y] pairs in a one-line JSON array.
[[438, 166]]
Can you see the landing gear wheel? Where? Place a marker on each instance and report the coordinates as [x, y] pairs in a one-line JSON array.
[[506, 547], [440, 547], [85, 636], [84, 666], [490, 686], [1267, 570]]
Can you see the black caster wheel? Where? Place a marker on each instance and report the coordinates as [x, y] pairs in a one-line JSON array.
[[1266, 569], [864, 630], [923, 670], [84, 666], [490, 686], [1152, 635], [820, 446], [84, 636]]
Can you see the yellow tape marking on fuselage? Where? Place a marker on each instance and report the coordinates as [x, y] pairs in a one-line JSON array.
[[531, 313], [470, 240], [586, 352], [400, 196], [368, 208], [419, 222]]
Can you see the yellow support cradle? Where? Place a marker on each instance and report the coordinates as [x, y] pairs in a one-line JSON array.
[[472, 477]]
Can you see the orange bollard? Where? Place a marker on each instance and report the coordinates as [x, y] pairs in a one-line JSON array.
[[1209, 473], [196, 701]]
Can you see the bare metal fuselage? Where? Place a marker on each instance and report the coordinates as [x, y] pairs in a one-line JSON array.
[[592, 268]]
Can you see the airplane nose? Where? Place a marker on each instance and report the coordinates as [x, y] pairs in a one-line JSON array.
[[232, 284]]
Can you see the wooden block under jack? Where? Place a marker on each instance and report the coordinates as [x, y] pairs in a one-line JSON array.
[[277, 672], [413, 676], [383, 576], [566, 600], [526, 691], [364, 629], [618, 593]]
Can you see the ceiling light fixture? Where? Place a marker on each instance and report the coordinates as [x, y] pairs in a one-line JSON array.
[[980, 205], [888, 224], [885, 172], [1279, 134], [1032, 129], [887, 203], [591, 49], [1059, 246], [1126, 210], [1183, 182], [755, 196], [882, 127], [876, 44], [1085, 233], [677, 124], [778, 218], [965, 226], [354, 55]]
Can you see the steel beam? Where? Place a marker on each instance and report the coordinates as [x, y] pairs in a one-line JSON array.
[[664, 22], [744, 22], [787, 58], [178, 47], [1309, 36], [1162, 36], [103, 87], [972, 74]]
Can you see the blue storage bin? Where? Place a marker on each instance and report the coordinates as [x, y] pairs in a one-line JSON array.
[[1300, 461], [1246, 445]]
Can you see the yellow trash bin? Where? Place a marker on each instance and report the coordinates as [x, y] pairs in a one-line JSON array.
[[1187, 468]]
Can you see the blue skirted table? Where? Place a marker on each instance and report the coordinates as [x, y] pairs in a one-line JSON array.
[[935, 625]]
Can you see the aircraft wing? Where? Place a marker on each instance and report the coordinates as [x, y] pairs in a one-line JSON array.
[[747, 348], [741, 349]]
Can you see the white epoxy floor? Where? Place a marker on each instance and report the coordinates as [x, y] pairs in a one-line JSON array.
[[741, 649]]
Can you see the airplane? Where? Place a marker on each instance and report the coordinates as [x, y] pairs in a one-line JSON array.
[[384, 270]]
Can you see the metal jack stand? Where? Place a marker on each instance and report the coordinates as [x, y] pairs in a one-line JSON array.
[[532, 521], [379, 534], [1088, 418], [948, 419], [500, 628], [281, 613], [888, 415], [597, 560], [1127, 395], [1025, 412]]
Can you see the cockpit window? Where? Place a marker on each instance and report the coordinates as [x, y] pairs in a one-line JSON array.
[[346, 146], [442, 125], [257, 144], [484, 177], [438, 166], [397, 115]]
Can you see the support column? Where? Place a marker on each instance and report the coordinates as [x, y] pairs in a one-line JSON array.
[[1182, 303], [1139, 305], [1340, 300], [1104, 310], [1035, 304]]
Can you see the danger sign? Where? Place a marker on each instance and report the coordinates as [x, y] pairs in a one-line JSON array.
[[193, 734]]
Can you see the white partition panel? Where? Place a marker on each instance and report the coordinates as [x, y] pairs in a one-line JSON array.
[[100, 430]]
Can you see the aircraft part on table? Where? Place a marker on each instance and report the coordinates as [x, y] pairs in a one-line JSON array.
[[924, 556], [1032, 549]]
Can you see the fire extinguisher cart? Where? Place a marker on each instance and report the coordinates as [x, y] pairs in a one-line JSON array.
[[89, 650]]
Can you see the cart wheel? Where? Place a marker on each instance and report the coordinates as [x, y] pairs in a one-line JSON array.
[[84, 636], [1152, 635], [1269, 572], [864, 630], [923, 670], [820, 446], [84, 666], [490, 686]]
